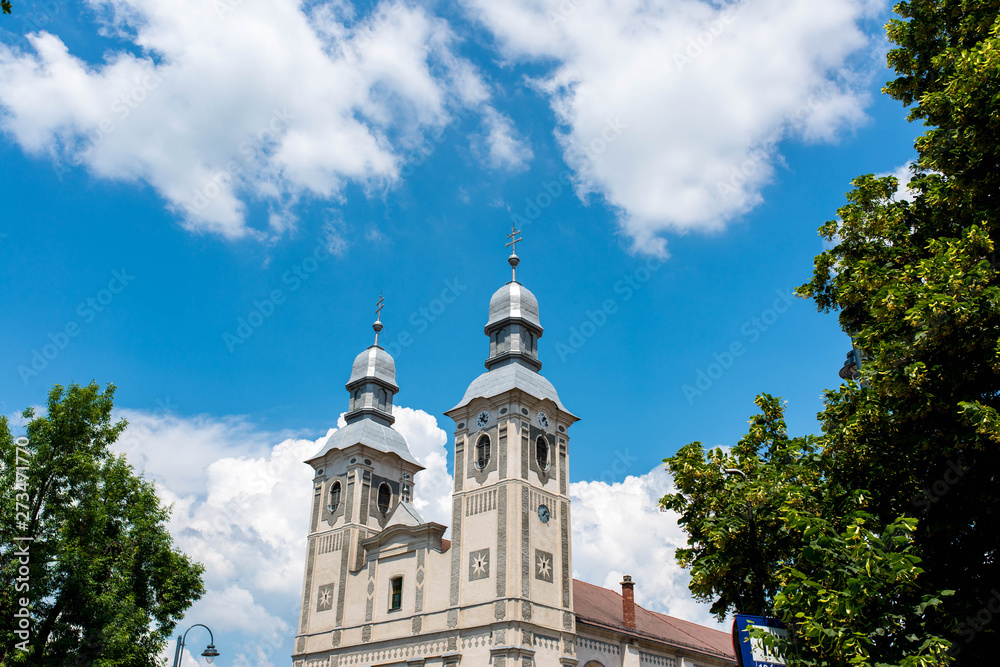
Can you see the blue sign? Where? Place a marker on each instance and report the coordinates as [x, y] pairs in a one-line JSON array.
[[751, 652]]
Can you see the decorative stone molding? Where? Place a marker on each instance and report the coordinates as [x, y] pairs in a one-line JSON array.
[[479, 564]]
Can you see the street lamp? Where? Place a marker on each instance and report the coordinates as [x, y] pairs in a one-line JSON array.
[[755, 561], [209, 653]]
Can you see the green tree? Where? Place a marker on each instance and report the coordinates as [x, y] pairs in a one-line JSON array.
[[880, 533], [99, 582]]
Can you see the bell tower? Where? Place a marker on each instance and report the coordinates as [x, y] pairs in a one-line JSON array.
[[511, 560], [364, 478]]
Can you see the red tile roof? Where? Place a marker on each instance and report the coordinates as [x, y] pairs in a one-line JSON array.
[[602, 607]]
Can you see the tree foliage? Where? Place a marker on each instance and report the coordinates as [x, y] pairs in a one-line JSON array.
[[880, 533], [100, 581]]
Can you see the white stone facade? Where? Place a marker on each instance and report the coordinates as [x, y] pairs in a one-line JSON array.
[[381, 586]]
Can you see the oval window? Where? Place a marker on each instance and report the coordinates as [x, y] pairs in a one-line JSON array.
[[335, 496], [542, 452], [483, 451], [384, 497]]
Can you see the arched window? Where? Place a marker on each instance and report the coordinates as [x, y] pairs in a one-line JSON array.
[[542, 452], [335, 496], [483, 451], [383, 398], [384, 497]]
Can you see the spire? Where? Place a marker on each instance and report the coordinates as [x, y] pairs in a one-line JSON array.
[[378, 317], [372, 384], [513, 260], [513, 326]]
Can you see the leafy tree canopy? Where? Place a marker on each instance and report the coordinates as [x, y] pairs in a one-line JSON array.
[[99, 582], [879, 535]]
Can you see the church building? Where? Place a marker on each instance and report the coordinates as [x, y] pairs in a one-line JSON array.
[[382, 586]]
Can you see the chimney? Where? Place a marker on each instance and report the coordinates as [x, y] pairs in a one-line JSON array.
[[628, 603]]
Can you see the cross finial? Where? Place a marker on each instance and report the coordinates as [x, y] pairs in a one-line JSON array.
[[378, 317], [513, 259]]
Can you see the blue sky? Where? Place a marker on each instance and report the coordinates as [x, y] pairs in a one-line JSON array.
[[168, 174]]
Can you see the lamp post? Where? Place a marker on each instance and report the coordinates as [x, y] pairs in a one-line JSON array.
[[755, 561], [209, 653]]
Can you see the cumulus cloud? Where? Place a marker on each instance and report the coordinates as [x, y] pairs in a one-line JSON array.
[[608, 545], [903, 174], [219, 103], [672, 111], [241, 499]]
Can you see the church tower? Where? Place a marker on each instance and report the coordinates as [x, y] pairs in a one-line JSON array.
[[511, 561], [364, 482], [381, 586]]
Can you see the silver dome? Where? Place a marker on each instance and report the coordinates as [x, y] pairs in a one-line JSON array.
[[374, 363], [513, 301]]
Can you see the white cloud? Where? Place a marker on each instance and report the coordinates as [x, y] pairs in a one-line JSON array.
[[672, 111], [241, 507], [903, 174], [506, 148], [433, 485], [236, 100], [618, 530]]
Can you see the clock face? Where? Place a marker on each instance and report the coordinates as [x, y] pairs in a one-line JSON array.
[[543, 513], [543, 419], [483, 419]]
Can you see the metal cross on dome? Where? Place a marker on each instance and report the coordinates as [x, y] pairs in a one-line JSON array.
[[378, 316], [513, 259]]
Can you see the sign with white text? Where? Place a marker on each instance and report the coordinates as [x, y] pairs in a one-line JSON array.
[[750, 651]]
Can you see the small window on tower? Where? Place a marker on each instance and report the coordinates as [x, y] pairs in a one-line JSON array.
[[335, 496], [483, 451], [396, 594], [384, 497], [406, 493], [529, 344], [542, 452], [383, 398]]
